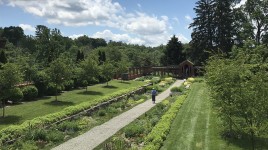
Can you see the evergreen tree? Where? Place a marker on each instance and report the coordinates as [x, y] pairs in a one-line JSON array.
[[224, 25], [3, 58], [173, 53], [203, 30]]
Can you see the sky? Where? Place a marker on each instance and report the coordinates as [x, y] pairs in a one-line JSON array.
[[143, 22]]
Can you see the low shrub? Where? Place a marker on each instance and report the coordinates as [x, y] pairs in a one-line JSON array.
[[177, 89], [133, 130], [29, 93], [52, 89], [190, 80], [102, 113], [55, 136], [68, 85], [156, 137], [156, 80], [39, 135], [68, 126], [15, 95]]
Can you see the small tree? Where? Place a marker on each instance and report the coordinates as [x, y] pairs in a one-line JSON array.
[[9, 77], [107, 71], [89, 72], [58, 73]]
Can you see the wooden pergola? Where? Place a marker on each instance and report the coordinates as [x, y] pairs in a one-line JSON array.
[[184, 70]]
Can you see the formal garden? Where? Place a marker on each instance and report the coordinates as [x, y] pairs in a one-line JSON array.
[[54, 88]]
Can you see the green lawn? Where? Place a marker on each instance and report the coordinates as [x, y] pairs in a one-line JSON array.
[[29, 110], [196, 125]]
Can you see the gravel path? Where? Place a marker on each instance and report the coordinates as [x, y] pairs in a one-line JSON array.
[[99, 134]]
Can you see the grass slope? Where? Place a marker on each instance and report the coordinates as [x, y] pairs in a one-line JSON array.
[[19, 113], [196, 125]]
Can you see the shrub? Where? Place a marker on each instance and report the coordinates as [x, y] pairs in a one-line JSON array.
[[55, 136], [190, 80], [68, 126], [68, 85], [29, 93], [52, 89], [41, 82], [102, 113], [15, 95], [156, 80], [177, 89], [155, 138], [39, 135], [133, 130]]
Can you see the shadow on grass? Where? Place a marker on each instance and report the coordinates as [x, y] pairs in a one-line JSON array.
[[10, 119], [110, 87], [91, 93], [124, 82], [244, 142], [59, 103]]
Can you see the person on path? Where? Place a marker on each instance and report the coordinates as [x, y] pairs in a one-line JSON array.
[[154, 92]]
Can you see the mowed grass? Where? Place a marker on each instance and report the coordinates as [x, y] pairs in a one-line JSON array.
[[17, 114], [196, 126]]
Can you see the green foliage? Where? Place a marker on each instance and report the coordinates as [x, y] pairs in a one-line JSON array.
[[238, 94], [41, 81], [15, 95], [3, 57], [107, 71], [133, 130], [68, 126], [156, 137], [102, 113], [173, 53], [68, 85], [55, 136], [177, 89], [29, 93]]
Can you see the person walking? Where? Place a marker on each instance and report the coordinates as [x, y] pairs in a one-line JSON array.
[[154, 92]]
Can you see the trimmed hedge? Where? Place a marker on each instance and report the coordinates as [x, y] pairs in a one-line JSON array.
[[15, 131], [154, 140]]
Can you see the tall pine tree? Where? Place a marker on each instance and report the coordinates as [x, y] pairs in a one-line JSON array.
[[203, 30], [173, 53]]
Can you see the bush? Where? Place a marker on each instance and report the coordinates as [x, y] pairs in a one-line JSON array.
[[133, 130], [102, 113], [39, 135], [68, 126], [177, 89], [156, 80], [15, 95], [68, 85], [29, 93], [41, 82], [52, 89], [55, 136]]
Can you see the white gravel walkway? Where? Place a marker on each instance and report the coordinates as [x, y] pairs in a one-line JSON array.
[[99, 134]]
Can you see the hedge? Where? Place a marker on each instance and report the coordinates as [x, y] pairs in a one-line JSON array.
[[154, 140], [15, 131]]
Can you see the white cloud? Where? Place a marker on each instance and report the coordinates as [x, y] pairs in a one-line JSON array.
[[94, 12], [108, 35], [183, 39], [27, 27], [242, 2], [75, 36], [188, 18]]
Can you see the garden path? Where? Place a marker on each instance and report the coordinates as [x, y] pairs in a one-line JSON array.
[[99, 134]]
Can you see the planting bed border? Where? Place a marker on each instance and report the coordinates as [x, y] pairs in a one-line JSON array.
[[69, 117]]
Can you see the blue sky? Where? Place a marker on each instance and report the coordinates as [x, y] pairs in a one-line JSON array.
[[144, 22]]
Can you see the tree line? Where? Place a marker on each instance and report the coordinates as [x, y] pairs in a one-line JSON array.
[[232, 43]]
